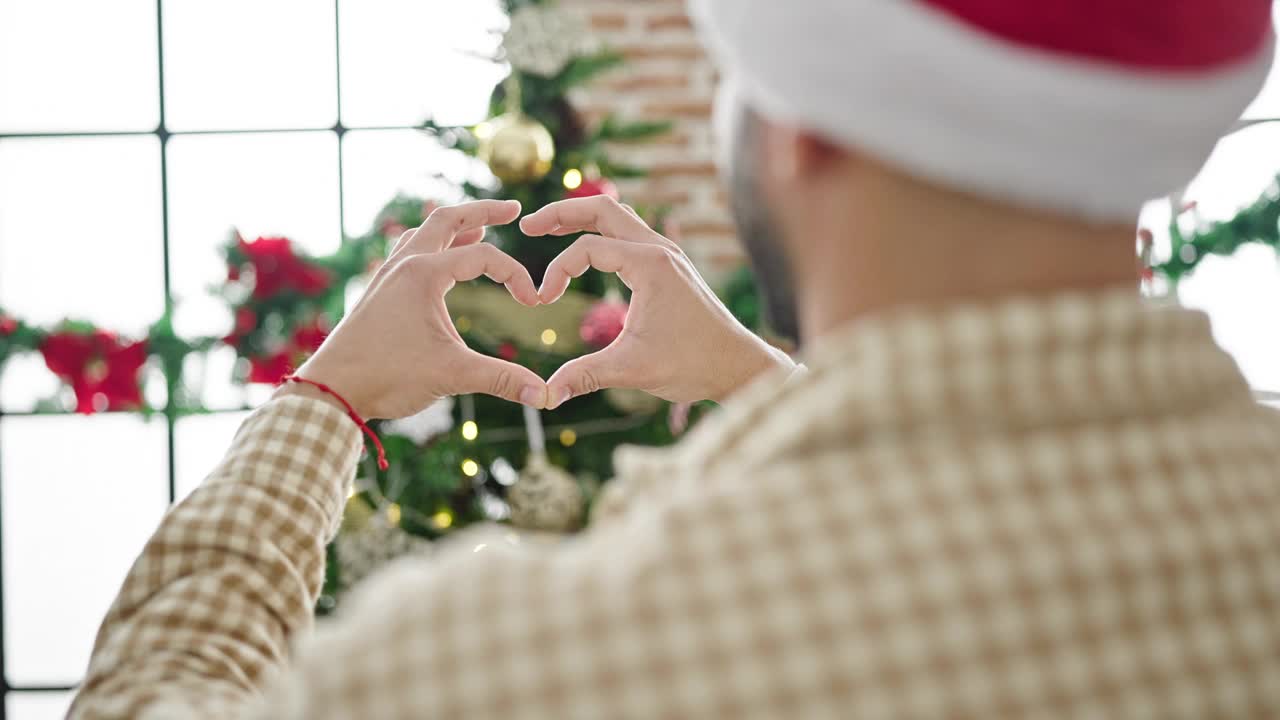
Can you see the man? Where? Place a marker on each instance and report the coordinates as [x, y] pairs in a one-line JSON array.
[[1001, 488]]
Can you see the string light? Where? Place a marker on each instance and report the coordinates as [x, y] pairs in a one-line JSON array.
[[393, 514], [463, 324], [568, 437], [351, 491], [470, 467], [572, 179], [548, 337], [442, 519], [470, 431], [483, 131]]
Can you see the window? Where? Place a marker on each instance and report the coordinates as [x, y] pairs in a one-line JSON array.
[[134, 135]]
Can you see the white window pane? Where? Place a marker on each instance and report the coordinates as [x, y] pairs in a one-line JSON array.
[[263, 184], [200, 442], [25, 381], [378, 164], [1268, 103], [406, 60], [80, 231], [208, 378], [1242, 166], [1241, 293], [78, 65], [255, 64], [73, 524], [37, 705]]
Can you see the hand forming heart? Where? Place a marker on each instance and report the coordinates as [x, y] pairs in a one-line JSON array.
[[397, 351], [679, 341]]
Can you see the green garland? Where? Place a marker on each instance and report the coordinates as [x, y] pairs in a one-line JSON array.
[[1258, 223]]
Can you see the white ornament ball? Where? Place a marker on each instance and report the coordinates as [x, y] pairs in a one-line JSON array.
[[363, 552], [546, 498]]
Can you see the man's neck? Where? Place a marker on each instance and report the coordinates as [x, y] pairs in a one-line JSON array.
[[895, 249]]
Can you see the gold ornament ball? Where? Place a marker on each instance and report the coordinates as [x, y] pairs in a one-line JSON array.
[[516, 148]]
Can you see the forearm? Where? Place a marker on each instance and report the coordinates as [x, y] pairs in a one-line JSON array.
[[208, 611]]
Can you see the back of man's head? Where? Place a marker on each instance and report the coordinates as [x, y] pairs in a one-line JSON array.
[[1089, 108], [893, 152]]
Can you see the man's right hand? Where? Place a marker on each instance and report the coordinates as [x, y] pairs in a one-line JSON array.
[[679, 341], [398, 351]]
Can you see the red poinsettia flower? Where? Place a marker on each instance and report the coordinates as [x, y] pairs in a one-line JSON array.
[[246, 321], [310, 280], [8, 326], [270, 369], [307, 338], [276, 268], [101, 369]]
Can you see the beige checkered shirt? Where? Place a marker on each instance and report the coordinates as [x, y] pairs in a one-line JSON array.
[[1058, 509]]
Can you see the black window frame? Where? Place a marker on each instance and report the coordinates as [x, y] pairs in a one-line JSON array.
[[162, 133]]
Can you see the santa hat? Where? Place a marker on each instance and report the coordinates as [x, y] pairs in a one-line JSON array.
[[1084, 107]]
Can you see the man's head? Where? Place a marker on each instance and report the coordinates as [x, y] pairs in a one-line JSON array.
[[1052, 109]]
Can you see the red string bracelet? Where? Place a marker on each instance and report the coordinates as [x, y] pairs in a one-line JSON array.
[[351, 413]]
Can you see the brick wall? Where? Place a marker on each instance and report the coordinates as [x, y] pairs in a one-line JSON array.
[[667, 77]]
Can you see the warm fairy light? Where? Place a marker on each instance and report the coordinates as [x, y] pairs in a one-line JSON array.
[[442, 519], [483, 131], [463, 324], [393, 514], [470, 430], [351, 492], [470, 467], [573, 179], [568, 437], [548, 337]]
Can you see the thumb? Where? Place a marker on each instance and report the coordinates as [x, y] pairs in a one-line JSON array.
[[584, 375], [503, 379]]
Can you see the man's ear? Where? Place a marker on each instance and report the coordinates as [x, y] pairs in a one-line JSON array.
[[795, 156]]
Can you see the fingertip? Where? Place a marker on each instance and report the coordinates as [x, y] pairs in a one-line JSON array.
[[512, 208], [533, 397], [523, 293], [557, 396], [548, 295]]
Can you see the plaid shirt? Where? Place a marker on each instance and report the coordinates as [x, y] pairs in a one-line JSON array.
[[1066, 508]]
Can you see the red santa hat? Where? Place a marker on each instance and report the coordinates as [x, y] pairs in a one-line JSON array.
[[1085, 107]]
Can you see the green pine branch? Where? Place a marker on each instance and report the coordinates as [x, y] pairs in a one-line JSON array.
[[612, 129], [584, 69]]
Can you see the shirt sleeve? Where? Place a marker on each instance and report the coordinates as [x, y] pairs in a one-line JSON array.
[[207, 613]]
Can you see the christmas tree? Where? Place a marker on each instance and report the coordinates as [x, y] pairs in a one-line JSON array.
[[478, 458]]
